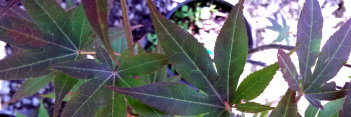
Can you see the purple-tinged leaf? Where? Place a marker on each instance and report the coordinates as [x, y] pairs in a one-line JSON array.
[[309, 34], [252, 107], [254, 84], [288, 70], [327, 92], [84, 69], [97, 12], [313, 101], [333, 56], [345, 111], [189, 58], [287, 106], [230, 52], [52, 19], [103, 56], [33, 65], [63, 84], [31, 86], [173, 98]]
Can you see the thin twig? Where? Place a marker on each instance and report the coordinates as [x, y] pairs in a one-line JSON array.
[[126, 23], [271, 46], [347, 65]]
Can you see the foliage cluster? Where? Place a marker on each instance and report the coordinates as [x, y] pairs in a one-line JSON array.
[[124, 80]]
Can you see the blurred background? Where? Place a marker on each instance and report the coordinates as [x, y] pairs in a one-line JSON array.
[[271, 24]]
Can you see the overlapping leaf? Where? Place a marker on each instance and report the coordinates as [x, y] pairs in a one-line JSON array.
[[252, 107], [173, 98], [63, 84], [345, 111], [287, 106], [10, 9], [230, 52]]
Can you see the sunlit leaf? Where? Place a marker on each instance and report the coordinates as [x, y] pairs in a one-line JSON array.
[[230, 52], [252, 107], [31, 86], [173, 98], [288, 70], [309, 34], [254, 84], [62, 84], [189, 58], [287, 106], [331, 109]]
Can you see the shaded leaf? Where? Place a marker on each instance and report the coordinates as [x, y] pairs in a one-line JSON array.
[[173, 98], [97, 13], [81, 30], [31, 86], [254, 84], [252, 107], [10, 9], [331, 109], [327, 92], [230, 52], [309, 36], [185, 53], [103, 56], [142, 64], [62, 84], [145, 110], [287, 106], [288, 70]]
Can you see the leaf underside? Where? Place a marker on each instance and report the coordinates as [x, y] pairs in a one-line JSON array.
[[288, 70]]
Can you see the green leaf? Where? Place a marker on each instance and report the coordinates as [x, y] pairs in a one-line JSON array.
[[173, 98], [145, 110], [142, 64], [252, 107], [254, 84], [331, 109], [52, 19], [287, 106], [230, 52], [20, 115], [62, 84], [288, 70], [186, 54], [309, 36], [118, 39], [81, 29], [42, 110], [311, 111], [31, 86]]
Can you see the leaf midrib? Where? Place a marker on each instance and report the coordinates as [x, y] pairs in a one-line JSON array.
[[186, 54], [309, 40]]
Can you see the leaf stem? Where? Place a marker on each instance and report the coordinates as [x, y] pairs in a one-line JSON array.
[[87, 52], [126, 23]]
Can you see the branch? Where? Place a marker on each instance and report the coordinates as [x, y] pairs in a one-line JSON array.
[[270, 46], [126, 23], [92, 53]]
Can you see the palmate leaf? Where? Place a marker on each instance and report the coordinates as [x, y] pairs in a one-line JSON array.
[[230, 52], [309, 36], [173, 98], [288, 70], [62, 84], [287, 106], [31, 86], [50, 42], [189, 57]]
